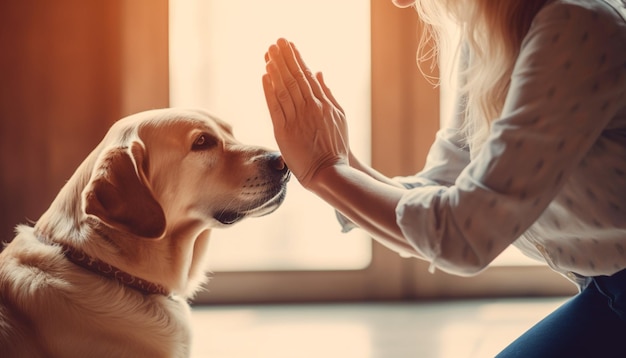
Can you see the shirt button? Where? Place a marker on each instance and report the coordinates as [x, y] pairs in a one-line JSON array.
[[541, 249]]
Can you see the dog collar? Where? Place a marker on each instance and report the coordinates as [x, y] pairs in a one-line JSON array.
[[102, 268]]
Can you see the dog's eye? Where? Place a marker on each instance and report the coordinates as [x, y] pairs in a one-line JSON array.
[[204, 141]]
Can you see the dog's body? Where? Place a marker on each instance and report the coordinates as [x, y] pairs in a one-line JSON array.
[[139, 209]]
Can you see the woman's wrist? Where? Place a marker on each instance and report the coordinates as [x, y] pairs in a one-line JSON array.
[[324, 178]]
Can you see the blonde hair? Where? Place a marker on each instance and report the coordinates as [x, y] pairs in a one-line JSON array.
[[493, 31]]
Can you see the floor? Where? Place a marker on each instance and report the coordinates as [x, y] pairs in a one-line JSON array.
[[453, 329]]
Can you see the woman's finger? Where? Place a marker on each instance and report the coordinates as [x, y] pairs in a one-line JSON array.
[[292, 83], [277, 94], [298, 72], [275, 108], [313, 83]]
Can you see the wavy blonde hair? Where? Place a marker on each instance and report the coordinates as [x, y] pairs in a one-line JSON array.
[[493, 31]]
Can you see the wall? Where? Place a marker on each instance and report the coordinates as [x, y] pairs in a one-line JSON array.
[[68, 70]]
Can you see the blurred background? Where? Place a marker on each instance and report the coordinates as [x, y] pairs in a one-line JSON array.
[[70, 68]]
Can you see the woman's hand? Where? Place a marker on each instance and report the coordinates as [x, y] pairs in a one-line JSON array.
[[309, 125]]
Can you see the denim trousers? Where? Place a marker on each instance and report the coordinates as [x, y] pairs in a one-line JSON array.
[[590, 324]]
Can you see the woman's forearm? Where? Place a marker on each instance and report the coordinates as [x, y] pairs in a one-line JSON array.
[[367, 201], [356, 164]]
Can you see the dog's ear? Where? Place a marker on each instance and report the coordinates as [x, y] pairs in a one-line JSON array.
[[118, 195]]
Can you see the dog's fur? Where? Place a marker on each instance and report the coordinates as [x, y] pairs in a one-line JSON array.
[[144, 201]]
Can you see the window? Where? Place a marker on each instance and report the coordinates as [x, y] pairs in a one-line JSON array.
[[217, 50]]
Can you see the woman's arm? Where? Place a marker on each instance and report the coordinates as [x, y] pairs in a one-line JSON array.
[[373, 173], [366, 200], [556, 109]]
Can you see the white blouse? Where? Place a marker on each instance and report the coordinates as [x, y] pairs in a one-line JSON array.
[[551, 178]]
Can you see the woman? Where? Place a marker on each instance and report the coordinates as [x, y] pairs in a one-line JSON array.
[[535, 157]]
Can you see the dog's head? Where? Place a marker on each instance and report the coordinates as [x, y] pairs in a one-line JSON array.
[[147, 196], [164, 170]]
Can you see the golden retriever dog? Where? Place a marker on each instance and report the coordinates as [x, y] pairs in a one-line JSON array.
[[108, 269]]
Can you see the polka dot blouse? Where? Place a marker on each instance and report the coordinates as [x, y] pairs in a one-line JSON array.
[[551, 178]]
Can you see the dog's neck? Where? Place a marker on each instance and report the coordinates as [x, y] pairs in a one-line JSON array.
[[109, 271]]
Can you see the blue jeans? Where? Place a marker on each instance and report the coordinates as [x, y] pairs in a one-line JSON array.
[[591, 324]]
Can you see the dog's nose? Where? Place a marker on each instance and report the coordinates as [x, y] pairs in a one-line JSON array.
[[277, 163]]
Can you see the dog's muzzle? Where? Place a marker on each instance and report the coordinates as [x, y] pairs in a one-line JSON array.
[[274, 189]]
